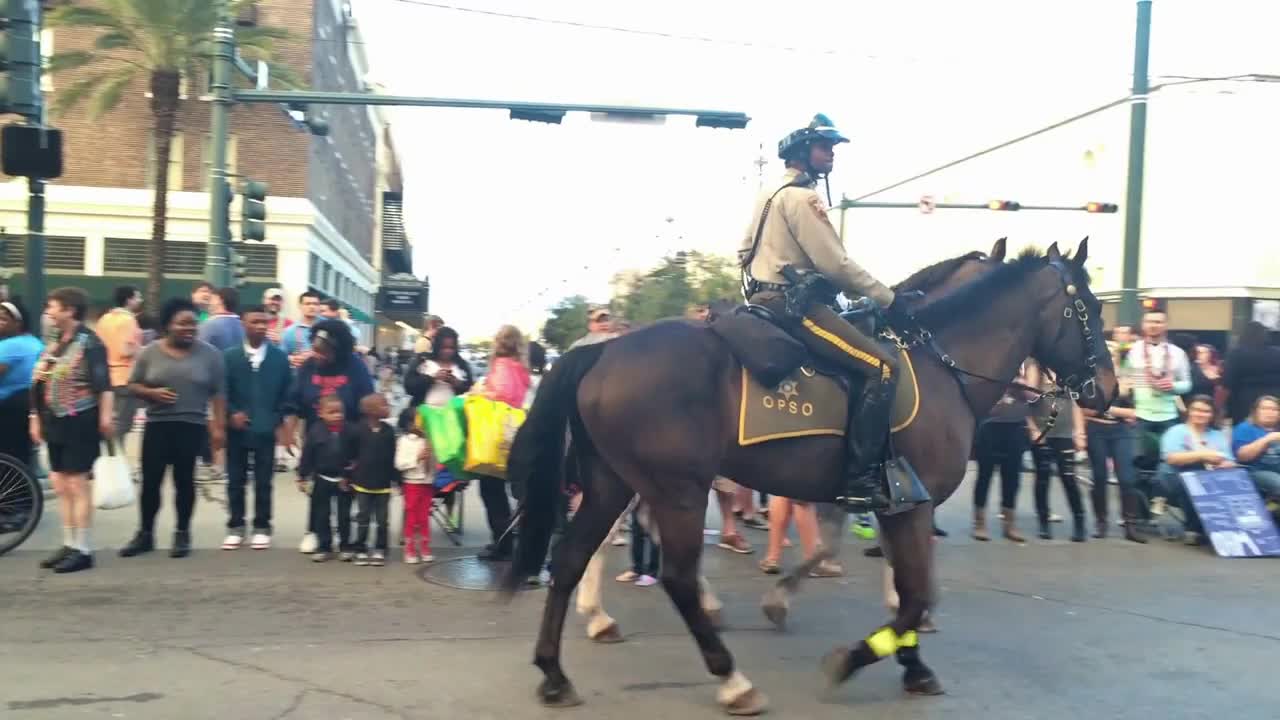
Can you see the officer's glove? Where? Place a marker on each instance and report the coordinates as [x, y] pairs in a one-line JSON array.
[[898, 312]]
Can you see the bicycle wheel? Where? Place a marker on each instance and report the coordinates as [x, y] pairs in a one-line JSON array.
[[21, 503]]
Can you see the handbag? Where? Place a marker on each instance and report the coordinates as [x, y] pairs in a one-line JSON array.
[[491, 428], [112, 480], [447, 432]]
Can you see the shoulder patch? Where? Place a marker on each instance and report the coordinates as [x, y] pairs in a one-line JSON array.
[[819, 208]]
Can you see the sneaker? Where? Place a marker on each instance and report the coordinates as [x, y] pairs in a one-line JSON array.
[[309, 544], [1158, 505], [427, 558], [233, 541], [378, 558], [736, 543], [346, 556], [755, 523], [826, 569], [57, 557], [411, 559], [75, 562], [260, 541], [646, 581], [362, 558], [629, 576], [320, 556], [619, 540]]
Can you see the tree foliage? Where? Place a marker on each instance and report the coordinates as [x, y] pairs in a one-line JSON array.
[[567, 323], [681, 280]]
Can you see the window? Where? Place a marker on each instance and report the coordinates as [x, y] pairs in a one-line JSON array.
[[175, 162], [206, 154], [313, 274], [60, 253], [184, 258], [259, 259], [125, 255]]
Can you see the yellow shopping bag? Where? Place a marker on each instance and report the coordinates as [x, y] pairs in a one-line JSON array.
[[491, 427]]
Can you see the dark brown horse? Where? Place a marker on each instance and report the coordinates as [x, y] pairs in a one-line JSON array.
[[655, 413]]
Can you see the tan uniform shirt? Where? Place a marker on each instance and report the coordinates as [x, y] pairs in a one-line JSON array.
[[799, 233]]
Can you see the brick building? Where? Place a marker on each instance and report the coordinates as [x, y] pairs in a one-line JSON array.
[[323, 206]]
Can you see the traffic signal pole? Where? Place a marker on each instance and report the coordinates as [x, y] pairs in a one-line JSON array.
[[1130, 311], [217, 259]]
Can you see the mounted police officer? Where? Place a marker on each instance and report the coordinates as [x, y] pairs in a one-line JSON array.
[[793, 263]]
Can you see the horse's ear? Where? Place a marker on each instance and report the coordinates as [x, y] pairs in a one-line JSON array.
[[1053, 253], [998, 250], [1081, 253]]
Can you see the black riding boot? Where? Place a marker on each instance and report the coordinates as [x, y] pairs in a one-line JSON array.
[[865, 437]]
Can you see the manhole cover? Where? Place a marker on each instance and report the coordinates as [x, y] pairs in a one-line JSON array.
[[467, 573]]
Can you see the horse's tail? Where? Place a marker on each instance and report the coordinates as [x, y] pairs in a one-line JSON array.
[[536, 458]]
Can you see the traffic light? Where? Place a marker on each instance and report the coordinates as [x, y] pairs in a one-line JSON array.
[[551, 117], [1100, 207], [20, 57], [1006, 205], [301, 113], [726, 122], [239, 269], [253, 211]]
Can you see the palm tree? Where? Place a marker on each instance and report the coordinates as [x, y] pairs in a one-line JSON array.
[[164, 41]]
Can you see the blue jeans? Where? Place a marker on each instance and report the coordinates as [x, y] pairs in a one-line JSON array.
[[239, 447], [1117, 442], [1267, 482]]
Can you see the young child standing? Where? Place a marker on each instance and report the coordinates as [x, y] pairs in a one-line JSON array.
[[324, 466], [374, 446], [416, 464]]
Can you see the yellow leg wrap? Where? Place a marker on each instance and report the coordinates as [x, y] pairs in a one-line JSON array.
[[908, 639], [883, 642], [843, 346]]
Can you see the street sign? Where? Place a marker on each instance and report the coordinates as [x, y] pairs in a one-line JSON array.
[[402, 299], [928, 204], [1234, 517]]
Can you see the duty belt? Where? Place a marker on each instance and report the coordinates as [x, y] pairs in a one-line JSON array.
[[770, 287]]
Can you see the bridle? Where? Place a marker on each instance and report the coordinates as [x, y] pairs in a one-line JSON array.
[[1072, 386]]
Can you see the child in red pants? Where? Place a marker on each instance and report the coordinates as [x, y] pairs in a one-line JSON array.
[[416, 464]]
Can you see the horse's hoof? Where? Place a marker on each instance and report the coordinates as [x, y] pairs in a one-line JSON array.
[[611, 635], [558, 696], [837, 666], [777, 614], [751, 702], [717, 618], [921, 682]]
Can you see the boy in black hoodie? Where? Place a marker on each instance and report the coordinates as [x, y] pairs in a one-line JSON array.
[[326, 464], [374, 443]]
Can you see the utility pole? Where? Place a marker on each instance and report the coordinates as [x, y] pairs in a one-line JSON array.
[[1130, 311], [217, 259]]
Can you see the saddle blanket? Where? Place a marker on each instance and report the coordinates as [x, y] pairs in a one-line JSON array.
[[808, 403]]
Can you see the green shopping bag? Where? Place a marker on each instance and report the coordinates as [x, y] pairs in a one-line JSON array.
[[447, 431]]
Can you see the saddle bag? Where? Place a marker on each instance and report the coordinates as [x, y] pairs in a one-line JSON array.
[[767, 352]]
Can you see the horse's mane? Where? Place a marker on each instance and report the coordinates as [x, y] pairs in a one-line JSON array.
[[937, 273], [977, 294]]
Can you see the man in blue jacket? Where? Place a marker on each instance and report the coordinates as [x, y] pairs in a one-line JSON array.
[[258, 380]]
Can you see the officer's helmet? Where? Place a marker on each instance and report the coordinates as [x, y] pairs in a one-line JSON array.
[[820, 127]]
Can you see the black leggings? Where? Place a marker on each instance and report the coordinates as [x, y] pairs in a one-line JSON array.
[[497, 508], [999, 444], [1061, 451], [164, 445]]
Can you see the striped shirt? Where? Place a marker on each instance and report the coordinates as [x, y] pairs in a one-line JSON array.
[[73, 374]]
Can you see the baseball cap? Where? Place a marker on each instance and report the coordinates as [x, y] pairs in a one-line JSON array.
[[273, 293], [597, 312]]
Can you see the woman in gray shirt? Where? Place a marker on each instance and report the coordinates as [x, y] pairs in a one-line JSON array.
[[179, 378]]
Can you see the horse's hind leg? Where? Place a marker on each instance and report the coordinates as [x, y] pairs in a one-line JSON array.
[[585, 533], [906, 537], [681, 523], [777, 601], [601, 627]]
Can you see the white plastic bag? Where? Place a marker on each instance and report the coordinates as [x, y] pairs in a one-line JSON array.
[[112, 481]]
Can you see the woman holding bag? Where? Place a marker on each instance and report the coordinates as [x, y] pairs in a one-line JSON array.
[[508, 382]]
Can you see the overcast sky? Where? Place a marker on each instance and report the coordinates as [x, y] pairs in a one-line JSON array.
[[508, 217]]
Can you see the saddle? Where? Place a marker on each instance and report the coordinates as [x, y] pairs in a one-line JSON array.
[[786, 391]]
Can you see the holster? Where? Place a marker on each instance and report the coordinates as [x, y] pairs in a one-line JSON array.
[[806, 290]]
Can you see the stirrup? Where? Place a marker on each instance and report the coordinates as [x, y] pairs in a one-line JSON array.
[[906, 491]]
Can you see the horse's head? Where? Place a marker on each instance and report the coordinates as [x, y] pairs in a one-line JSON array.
[[1069, 338]]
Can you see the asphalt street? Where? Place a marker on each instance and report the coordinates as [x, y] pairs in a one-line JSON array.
[[1050, 630]]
